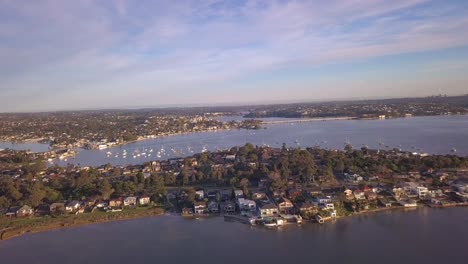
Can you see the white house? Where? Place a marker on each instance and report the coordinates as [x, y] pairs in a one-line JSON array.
[[269, 210], [130, 201], [144, 200]]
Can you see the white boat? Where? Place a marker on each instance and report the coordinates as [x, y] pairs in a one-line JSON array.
[[270, 224], [279, 222]]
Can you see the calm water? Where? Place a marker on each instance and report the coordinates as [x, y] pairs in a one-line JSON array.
[[35, 147], [419, 236], [435, 135]]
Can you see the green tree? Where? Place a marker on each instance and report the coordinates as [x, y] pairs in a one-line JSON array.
[[105, 189]]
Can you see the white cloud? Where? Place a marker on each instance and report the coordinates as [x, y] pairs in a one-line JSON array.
[[130, 47]]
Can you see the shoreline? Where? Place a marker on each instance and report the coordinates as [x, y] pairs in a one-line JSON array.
[[63, 222], [263, 122], [48, 223]]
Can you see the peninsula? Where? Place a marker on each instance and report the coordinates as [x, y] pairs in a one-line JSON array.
[[251, 184]]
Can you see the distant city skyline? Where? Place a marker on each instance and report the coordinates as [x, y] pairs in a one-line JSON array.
[[65, 55]]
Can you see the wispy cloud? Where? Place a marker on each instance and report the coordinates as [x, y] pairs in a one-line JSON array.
[[147, 48]]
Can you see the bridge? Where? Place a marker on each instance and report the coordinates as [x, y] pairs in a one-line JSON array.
[[303, 120]]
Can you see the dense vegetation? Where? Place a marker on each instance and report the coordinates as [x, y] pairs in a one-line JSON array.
[[36, 184]]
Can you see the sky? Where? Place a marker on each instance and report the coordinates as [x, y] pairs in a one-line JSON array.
[[96, 54]]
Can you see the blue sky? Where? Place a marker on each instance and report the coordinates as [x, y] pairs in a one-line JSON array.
[[59, 55]]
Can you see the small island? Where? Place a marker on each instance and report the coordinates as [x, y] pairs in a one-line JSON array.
[[250, 184]]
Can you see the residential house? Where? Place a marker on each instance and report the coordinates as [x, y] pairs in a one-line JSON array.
[[246, 204], [269, 210], [307, 208], [285, 206], [43, 209], [199, 207], [72, 206], [117, 202], [24, 211], [143, 200], [422, 192], [90, 202], [213, 207], [130, 201], [187, 211], [20, 211], [325, 203], [57, 208], [228, 207], [359, 194]]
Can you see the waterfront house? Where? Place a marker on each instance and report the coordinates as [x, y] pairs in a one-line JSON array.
[[43, 209], [269, 210], [422, 192], [130, 201], [57, 208], [117, 202], [143, 200], [285, 206], [24, 211], [213, 207], [385, 202], [199, 207], [90, 201], [228, 207], [324, 203], [187, 211], [246, 204], [307, 209], [20, 211], [72, 206], [408, 203]]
